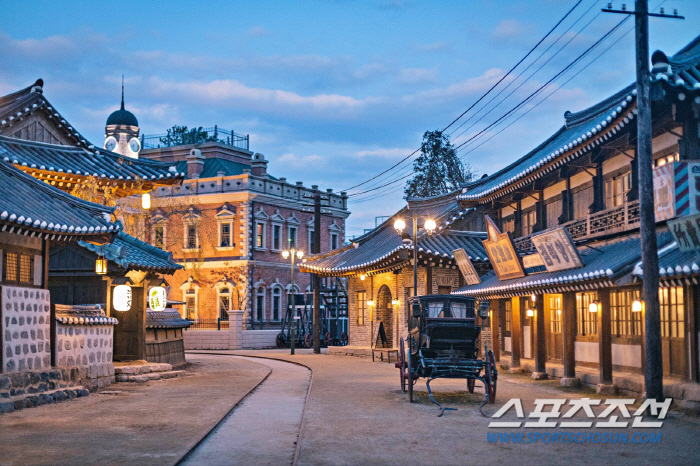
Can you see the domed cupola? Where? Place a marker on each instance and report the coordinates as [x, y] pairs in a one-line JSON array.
[[122, 132]]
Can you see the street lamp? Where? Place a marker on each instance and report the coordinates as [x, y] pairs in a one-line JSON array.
[[292, 254], [400, 225]]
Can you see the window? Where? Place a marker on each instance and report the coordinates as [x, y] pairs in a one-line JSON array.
[[226, 234], [624, 321], [276, 303], [191, 240], [361, 307], [508, 315], [672, 317], [509, 225], [277, 237], [260, 235], [586, 321], [554, 211], [311, 241], [616, 190], [555, 313], [260, 304], [159, 236], [224, 303], [191, 305], [583, 198], [19, 268], [529, 219], [292, 237], [334, 241]]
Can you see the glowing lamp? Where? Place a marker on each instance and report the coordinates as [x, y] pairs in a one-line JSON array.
[[637, 306], [300, 254], [594, 306], [285, 254], [533, 297], [370, 303], [122, 298], [146, 201], [101, 266], [399, 226], [430, 226], [530, 313], [363, 276], [157, 299], [395, 302]]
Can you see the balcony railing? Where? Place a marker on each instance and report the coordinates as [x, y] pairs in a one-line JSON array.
[[185, 136], [208, 324], [621, 218]]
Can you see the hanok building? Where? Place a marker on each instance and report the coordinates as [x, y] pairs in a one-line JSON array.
[[379, 268], [569, 302], [229, 223]]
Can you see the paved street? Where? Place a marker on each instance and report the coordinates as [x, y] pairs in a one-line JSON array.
[[355, 414]]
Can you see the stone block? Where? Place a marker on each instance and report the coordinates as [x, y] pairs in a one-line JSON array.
[[131, 370], [70, 393], [5, 382], [145, 369], [539, 376], [675, 391], [138, 378], [122, 377], [59, 395], [153, 376], [606, 389], [7, 407], [516, 370], [48, 399], [692, 392], [570, 382], [81, 392]]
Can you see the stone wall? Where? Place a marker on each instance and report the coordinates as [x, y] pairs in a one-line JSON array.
[[25, 329], [233, 338]]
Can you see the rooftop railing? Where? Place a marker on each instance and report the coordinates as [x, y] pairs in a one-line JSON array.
[[184, 136]]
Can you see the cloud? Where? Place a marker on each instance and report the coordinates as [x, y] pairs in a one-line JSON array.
[[416, 75], [387, 153], [434, 47], [511, 28], [258, 31]]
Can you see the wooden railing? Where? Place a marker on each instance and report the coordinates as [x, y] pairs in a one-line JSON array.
[[621, 218]]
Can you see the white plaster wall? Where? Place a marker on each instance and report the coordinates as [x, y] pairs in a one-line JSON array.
[[586, 351], [507, 344], [627, 355]]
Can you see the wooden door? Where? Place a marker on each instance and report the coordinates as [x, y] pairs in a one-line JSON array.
[[553, 322], [673, 345]]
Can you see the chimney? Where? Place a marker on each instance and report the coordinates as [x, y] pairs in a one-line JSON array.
[[259, 165], [195, 163]]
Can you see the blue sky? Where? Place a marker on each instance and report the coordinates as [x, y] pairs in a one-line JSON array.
[[332, 92]]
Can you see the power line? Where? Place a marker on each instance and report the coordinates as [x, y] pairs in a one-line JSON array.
[[475, 103]]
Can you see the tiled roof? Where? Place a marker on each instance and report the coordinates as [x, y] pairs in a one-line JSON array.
[[604, 263], [674, 264], [131, 253], [166, 319], [214, 165], [380, 248], [24, 102], [680, 70], [30, 205], [99, 163]]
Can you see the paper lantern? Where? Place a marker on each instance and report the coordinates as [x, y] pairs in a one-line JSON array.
[[637, 306], [146, 201], [101, 266], [594, 306], [157, 299], [122, 298], [530, 313]]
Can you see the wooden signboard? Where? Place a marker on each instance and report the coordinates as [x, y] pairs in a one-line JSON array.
[[380, 336], [499, 247], [686, 231], [466, 267], [557, 250], [532, 260], [664, 191]]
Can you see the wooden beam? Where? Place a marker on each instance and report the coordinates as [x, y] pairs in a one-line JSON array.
[[604, 337], [540, 337], [569, 333]]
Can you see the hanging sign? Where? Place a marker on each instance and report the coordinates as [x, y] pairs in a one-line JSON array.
[[122, 298], [466, 267], [157, 298], [687, 184], [557, 250], [499, 247], [664, 192], [686, 231], [532, 260]]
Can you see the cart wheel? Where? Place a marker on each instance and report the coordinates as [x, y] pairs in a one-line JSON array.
[[401, 365], [309, 340], [409, 375], [470, 385], [491, 377], [281, 343], [343, 339], [327, 339]]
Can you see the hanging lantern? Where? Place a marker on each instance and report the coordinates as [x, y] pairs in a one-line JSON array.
[[594, 306], [363, 276], [530, 313], [157, 299], [533, 297], [122, 298], [146, 201], [637, 306], [101, 266]]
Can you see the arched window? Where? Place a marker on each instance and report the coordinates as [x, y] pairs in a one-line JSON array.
[[276, 303], [224, 301], [190, 295], [260, 305]]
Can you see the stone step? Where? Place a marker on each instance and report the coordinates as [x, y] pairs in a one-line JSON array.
[[143, 378], [31, 400], [141, 368]]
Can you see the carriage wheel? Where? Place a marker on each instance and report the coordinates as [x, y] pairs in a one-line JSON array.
[[491, 377], [327, 339], [343, 339], [470, 384], [281, 340], [401, 365], [409, 375], [309, 340]]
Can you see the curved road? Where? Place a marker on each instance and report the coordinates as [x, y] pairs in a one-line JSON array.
[[264, 428]]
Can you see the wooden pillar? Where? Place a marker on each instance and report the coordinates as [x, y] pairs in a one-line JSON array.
[[495, 330], [515, 332], [598, 190], [540, 339], [540, 212], [569, 333], [567, 208], [429, 280], [518, 221], [604, 338], [692, 304]]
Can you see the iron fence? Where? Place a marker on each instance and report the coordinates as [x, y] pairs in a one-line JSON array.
[[195, 136], [208, 324]]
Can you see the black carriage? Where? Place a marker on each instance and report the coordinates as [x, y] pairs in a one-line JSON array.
[[443, 342]]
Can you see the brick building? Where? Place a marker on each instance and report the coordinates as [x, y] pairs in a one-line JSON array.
[[229, 223]]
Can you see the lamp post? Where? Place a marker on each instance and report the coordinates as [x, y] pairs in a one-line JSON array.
[[292, 254], [399, 226]]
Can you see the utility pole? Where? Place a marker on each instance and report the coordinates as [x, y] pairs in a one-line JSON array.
[[653, 374], [315, 279]]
